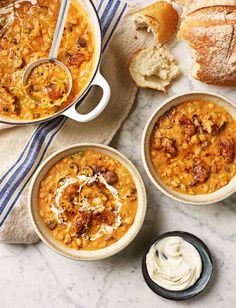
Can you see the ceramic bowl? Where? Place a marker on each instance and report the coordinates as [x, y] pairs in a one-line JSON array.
[[210, 198], [88, 255], [202, 282]]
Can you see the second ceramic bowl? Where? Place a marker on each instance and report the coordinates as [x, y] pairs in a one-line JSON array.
[[87, 255], [214, 197]]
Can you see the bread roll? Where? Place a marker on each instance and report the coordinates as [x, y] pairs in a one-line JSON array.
[[160, 18], [153, 68], [211, 33], [193, 5]]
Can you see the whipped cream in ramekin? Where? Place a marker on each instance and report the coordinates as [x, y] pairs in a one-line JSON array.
[[174, 264]]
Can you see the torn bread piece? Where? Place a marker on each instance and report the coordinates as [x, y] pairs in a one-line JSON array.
[[160, 18], [153, 68]]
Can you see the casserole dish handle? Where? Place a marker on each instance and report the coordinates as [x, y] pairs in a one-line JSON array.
[[100, 81]]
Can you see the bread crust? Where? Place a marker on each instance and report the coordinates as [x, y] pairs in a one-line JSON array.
[[211, 16], [211, 33], [161, 18], [192, 5]]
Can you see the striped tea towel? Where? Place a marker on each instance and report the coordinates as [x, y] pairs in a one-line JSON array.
[[23, 148]]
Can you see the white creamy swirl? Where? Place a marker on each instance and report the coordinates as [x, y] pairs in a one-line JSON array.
[[57, 209], [174, 264]]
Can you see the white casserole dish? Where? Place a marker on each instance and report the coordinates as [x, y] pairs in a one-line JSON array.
[[96, 78]]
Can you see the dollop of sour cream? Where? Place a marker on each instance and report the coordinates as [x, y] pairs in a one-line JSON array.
[[174, 264]]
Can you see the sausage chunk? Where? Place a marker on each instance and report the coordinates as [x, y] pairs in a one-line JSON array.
[[81, 43], [51, 224], [69, 191], [170, 114], [166, 145], [8, 103], [201, 171], [104, 217], [83, 221], [99, 170], [110, 177], [54, 91], [227, 150], [76, 59], [188, 126], [211, 126], [196, 121]]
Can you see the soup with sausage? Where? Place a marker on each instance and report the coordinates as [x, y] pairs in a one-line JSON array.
[[88, 200], [26, 34], [193, 147]]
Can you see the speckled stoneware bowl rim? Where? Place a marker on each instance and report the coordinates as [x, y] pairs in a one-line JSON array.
[[205, 199], [86, 255], [208, 266]]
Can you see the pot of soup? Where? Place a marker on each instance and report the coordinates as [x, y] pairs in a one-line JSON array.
[[26, 34]]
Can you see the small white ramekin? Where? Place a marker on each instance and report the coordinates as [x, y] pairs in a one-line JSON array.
[[214, 197], [87, 255]]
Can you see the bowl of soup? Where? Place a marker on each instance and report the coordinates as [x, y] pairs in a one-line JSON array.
[[87, 202], [188, 148], [27, 30]]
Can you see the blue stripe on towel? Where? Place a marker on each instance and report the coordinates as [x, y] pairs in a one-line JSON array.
[[23, 187], [19, 158], [116, 24], [100, 6], [22, 154], [42, 131], [21, 172], [106, 11], [110, 18]]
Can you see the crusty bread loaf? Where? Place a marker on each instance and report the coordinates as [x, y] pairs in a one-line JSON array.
[[160, 18], [153, 68], [211, 33], [193, 5]]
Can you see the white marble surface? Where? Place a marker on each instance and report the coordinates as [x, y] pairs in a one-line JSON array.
[[34, 276]]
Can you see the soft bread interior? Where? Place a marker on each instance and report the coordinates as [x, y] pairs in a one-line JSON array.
[[153, 68], [142, 22]]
